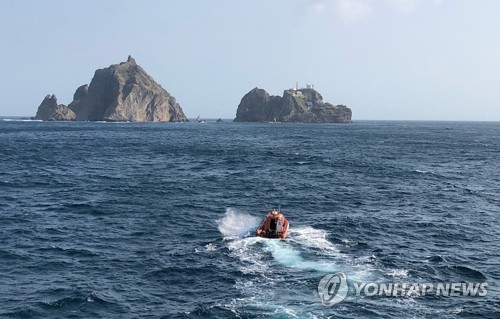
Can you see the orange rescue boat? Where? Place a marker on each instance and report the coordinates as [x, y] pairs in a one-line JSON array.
[[275, 225]]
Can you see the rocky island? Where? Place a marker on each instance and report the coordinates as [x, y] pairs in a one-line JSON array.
[[120, 93], [49, 110], [296, 105]]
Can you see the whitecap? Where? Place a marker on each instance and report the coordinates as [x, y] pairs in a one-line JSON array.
[[398, 273], [210, 247], [313, 238], [421, 171], [237, 225]]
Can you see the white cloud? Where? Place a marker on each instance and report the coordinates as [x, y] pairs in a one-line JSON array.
[[356, 11], [403, 6], [352, 11], [318, 8], [408, 6]]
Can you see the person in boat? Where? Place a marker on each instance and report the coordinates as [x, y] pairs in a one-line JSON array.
[[275, 225], [272, 227], [279, 225]]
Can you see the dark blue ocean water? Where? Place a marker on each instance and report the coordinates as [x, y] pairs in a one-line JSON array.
[[110, 220]]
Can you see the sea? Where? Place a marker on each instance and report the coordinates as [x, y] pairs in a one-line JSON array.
[[158, 220]]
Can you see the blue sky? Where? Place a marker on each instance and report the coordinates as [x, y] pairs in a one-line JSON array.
[[386, 59]]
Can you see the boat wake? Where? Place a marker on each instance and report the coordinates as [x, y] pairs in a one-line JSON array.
[[237, 225], [274, 267], [306, 248]]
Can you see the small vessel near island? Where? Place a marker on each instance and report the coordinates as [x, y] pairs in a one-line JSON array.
[[198, 120], [274, 225]]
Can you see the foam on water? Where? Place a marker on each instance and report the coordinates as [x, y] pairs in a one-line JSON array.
[[236, 225], [246, 250], [398, 273], [306, 253], [19, 120], [313, 238], [286, 255]]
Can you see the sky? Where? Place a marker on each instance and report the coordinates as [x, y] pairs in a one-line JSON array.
[[385, 59]]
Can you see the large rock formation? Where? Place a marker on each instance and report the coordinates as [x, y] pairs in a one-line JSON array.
[[125, 92], [296, 105], [49, 110]]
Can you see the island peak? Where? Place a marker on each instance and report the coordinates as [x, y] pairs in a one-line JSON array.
[[122, 92], [296, 105]]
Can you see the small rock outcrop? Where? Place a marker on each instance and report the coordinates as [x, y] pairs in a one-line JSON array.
[[49, 110], [125, 93], [296, 105]]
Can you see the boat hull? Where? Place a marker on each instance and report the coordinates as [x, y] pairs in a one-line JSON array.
[[274, 225]]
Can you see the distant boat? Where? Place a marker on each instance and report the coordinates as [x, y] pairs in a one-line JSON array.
[[219, 120], [274, 225], [198, 120]]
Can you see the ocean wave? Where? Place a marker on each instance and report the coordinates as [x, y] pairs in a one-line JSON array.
[[435, 259], [236, 225], [137, 214], [462, 273], [78, 301], [313, 238], [71, 252], [23, 313]]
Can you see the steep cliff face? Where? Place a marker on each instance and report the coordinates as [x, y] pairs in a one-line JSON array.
[[80, 94], [258, 106], [302, 105], [125, 92], [49, 110]]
